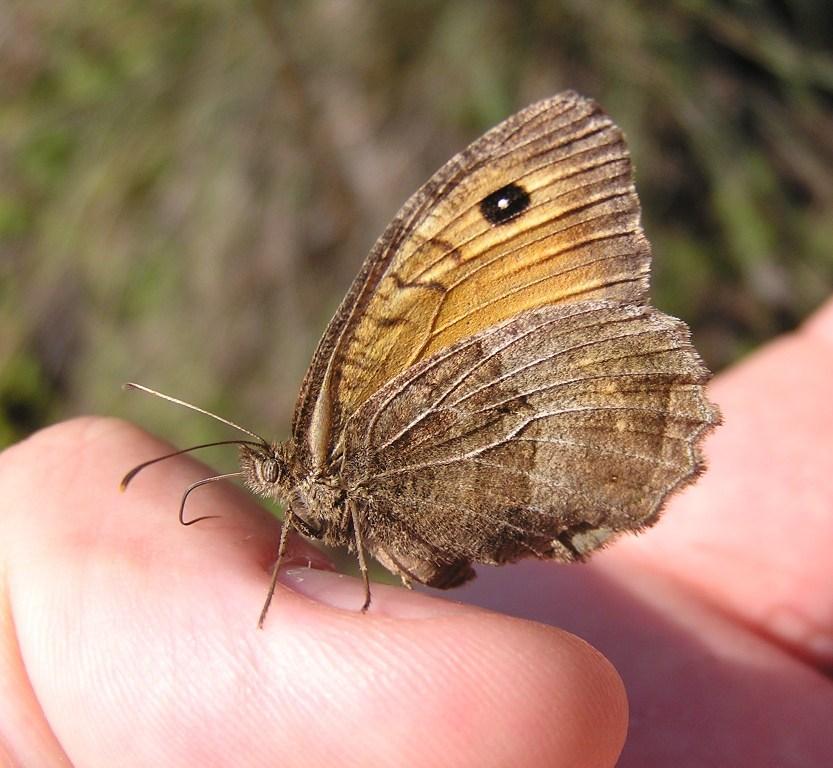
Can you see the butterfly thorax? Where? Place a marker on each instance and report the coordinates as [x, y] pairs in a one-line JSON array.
[[318, 505]]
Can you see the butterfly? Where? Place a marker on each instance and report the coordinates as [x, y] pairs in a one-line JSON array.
[[495, 385]]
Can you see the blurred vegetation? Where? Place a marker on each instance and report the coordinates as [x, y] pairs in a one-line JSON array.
[[187, 187]]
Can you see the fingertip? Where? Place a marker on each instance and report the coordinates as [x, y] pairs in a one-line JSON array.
[[474, 687]]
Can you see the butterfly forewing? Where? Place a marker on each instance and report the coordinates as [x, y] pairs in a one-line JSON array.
[[539, 211]]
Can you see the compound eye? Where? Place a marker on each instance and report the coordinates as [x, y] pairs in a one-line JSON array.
[[269, 470]]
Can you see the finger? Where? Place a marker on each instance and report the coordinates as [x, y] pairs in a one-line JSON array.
[[127, 623], [753, 535], [65, 527]]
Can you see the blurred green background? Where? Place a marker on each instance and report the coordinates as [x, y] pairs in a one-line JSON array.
[[187, 187]]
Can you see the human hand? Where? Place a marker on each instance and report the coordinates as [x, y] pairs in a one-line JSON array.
[[119, 627]]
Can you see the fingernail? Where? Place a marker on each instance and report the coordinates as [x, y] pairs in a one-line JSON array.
[[347, 593], [328, 587]]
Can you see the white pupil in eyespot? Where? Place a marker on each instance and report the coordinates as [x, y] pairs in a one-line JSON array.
[[503, 203]]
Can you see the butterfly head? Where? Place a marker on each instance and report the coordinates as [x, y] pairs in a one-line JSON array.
[[271, 471], [266, 469]]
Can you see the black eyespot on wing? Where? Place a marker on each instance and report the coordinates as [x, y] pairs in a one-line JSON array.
[[504, 204]]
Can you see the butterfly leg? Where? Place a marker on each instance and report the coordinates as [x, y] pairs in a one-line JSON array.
[[354, 513], [285, 529]]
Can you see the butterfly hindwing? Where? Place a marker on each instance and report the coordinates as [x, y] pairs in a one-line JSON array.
[[543, 436]]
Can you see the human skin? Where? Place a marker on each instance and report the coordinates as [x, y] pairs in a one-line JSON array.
[[126, 639]]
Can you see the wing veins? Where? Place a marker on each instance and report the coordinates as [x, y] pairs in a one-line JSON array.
[[462, 377], [513, 433], [596, 449], [464, 211], [538, 361], [478, 513], [502, 254], [625, 176], [519, 289], [555, 355]]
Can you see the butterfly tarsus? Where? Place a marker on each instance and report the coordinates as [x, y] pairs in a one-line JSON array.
[[273, 583], [354, 513]]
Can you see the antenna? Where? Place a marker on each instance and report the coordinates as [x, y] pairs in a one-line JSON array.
[[135, 471], [176, 401], [193, 487]]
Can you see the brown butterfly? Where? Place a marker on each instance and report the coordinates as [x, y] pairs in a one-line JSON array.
[[495, 385]]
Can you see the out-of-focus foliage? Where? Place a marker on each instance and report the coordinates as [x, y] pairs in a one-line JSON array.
[[187, 187]]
